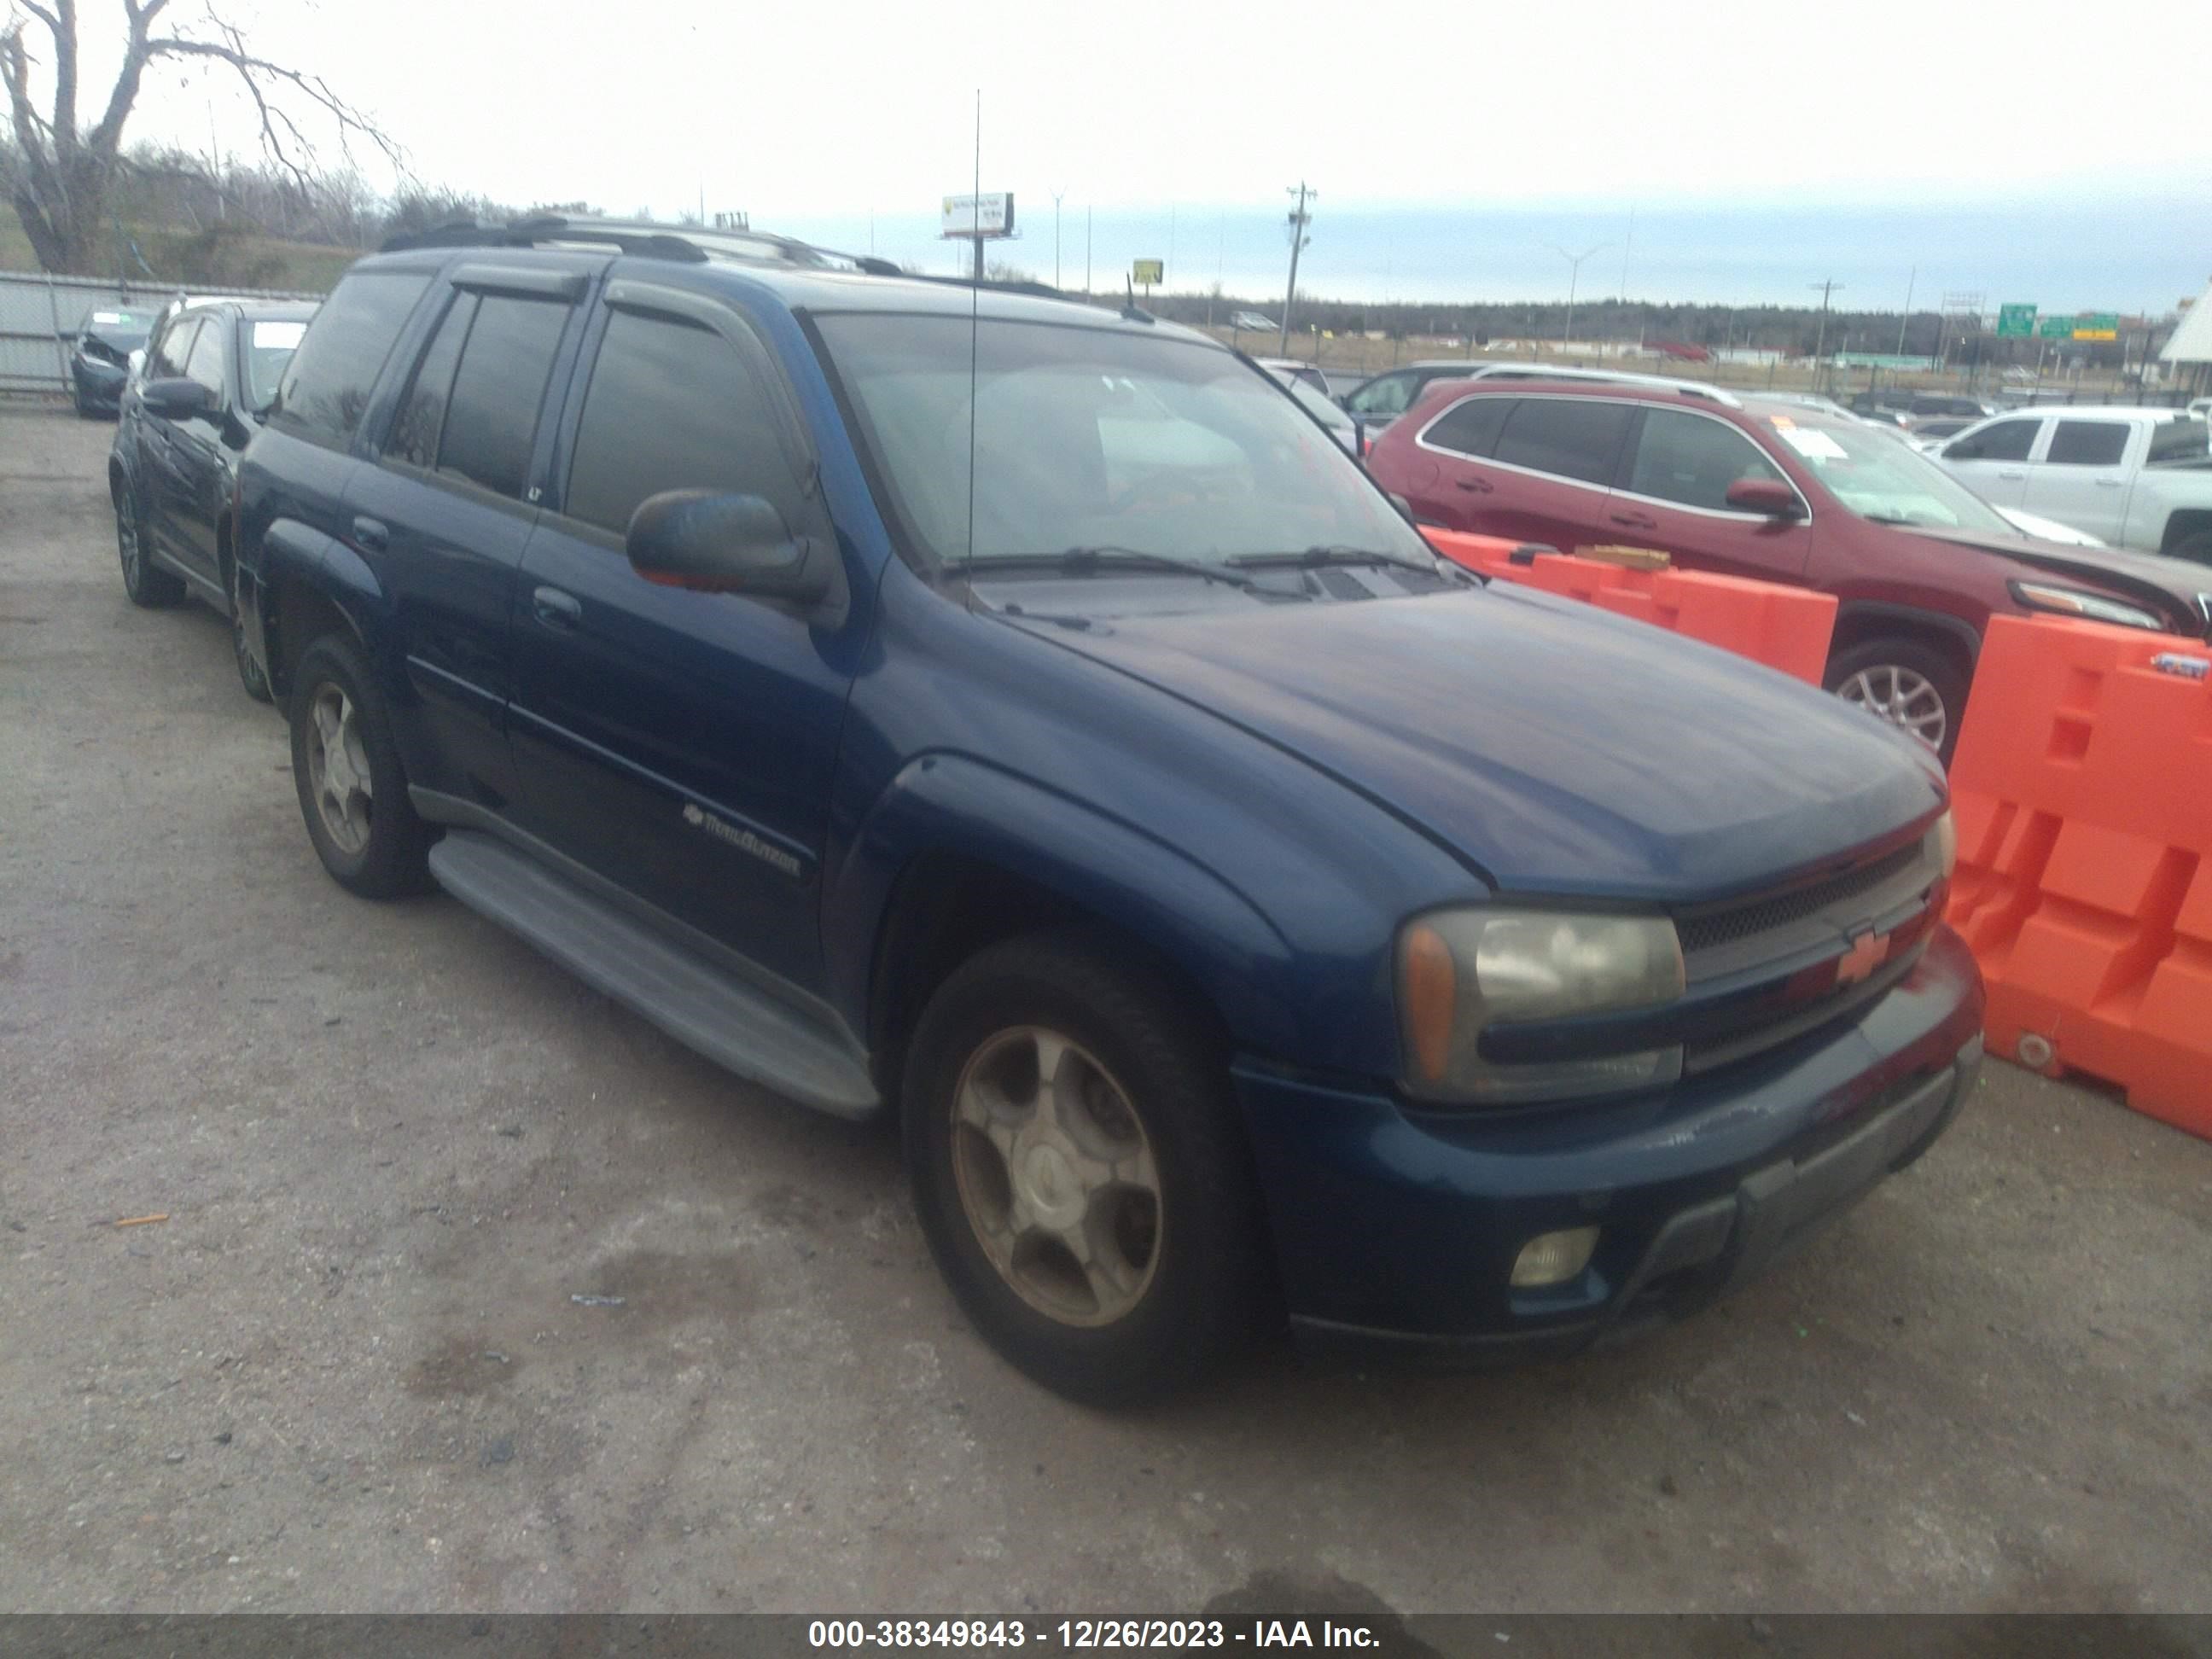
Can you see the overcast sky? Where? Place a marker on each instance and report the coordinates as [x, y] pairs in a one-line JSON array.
[[1784, 120]]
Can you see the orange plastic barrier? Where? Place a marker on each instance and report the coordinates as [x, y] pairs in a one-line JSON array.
[[2082, 785], [1784, 627]]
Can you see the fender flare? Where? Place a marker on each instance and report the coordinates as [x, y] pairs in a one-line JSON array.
[[961, 806], [1962, 632], [293, 554]]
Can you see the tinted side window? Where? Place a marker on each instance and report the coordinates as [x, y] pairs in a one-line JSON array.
[[168, 362], [2179, 440], [2089, 443], [326, 386], [672, 406], [1692, 460], [1471, 428], [2007, 441], [492, 414], [422, 415], [205, 362], [1567, 437]]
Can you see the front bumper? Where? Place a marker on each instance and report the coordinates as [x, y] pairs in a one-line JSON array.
[[99, 385], [1399, 1227]]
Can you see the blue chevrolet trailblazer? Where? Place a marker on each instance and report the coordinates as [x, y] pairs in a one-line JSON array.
[[1018, 717]]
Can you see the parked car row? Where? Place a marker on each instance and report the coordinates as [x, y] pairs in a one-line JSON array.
[[1017, 720], [1780, 492], [211, 372]]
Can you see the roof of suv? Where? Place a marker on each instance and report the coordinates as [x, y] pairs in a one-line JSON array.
[[803, 277]]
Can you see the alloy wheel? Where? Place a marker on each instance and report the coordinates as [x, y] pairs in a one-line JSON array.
[[337, 768], [1903, 698], [1057, 1176]]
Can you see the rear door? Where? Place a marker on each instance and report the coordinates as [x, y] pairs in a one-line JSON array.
[[448, 507], [1443, 480], [1675, 488], [2082, 479], [1992, 460], [1550, 474], [681, 744]]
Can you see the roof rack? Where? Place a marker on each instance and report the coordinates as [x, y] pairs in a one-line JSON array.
[[693, 245]]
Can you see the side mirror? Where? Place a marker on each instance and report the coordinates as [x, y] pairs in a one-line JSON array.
[[718, 544], [1769, 496], [177, 399]]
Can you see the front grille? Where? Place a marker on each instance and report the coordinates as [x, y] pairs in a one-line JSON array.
[[1729, 923]]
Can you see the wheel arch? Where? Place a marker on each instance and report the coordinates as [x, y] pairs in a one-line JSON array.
[[2184, 525], [309, 584], [1859, 620]]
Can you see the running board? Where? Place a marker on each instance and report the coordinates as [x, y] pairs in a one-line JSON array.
[[701, 1006]]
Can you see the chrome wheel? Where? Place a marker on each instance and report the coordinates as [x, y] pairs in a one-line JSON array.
[[1903, 698], [338, 769], [1056, 1176]]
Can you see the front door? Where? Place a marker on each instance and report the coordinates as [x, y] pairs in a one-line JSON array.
[[1678, 477], [681, 744], [1991, 461]]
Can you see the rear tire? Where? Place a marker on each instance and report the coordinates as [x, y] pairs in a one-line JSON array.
[[251, 674], [346, 768], [1920, 689], [1080, 1174], [153, 588]]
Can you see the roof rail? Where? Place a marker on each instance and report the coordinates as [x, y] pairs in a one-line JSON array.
[[691, 244]]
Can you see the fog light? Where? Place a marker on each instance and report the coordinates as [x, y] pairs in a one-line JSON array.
[[1554, 1258]]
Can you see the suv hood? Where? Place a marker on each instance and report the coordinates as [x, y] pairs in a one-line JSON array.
[[2172, 587], [1553, 747]]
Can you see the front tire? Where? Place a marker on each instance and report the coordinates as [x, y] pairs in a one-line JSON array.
[[147, 586], [346, 769], [1917, 688], [1080, 1172]]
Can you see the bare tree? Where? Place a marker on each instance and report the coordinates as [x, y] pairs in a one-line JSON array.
[[58, 172]]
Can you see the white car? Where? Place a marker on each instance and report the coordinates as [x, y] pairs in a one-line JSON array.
[[1244, 320], [2131, 477]]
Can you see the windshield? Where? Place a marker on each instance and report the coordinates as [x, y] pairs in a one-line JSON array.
[[270, 347], [1873, 472], [124, 330], [1090, 437], [1313, 402]]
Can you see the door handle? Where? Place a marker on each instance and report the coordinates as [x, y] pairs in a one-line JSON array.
[[370, 534], [2012, 475], [2108, 484], [1473, 486], [1634, 520], [555, 609]]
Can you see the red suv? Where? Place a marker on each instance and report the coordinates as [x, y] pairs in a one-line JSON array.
[[1785, 493]]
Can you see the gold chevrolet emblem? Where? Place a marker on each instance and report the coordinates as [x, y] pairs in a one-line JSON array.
[[1867, 953]]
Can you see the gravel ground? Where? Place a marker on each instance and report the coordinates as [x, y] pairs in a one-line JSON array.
[[393, 1146]]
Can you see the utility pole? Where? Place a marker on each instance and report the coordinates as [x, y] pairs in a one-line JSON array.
[[1905, 321], [1820, 341], [1056, 195], [1299, 220], [1574, 275]]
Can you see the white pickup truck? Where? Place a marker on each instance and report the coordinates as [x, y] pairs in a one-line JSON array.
[[2131, 477]]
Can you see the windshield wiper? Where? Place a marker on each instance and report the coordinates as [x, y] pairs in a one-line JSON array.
[[1084, 561], [1315, 557]]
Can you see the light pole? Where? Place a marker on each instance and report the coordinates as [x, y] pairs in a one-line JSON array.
[[1086, 249], [1821, 340], [1056, 195], [1299, 220], [1574, 276]]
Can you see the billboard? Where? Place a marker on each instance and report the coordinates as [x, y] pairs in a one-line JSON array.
[[990, 215], [1146, 273]]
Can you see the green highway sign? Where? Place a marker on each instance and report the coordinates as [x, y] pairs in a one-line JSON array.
[[2056, 328], [2097, 326], [2015, 322]]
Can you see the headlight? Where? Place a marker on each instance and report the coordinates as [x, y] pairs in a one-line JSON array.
[[1942, 844], [1460, 972], [2072, 602]]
